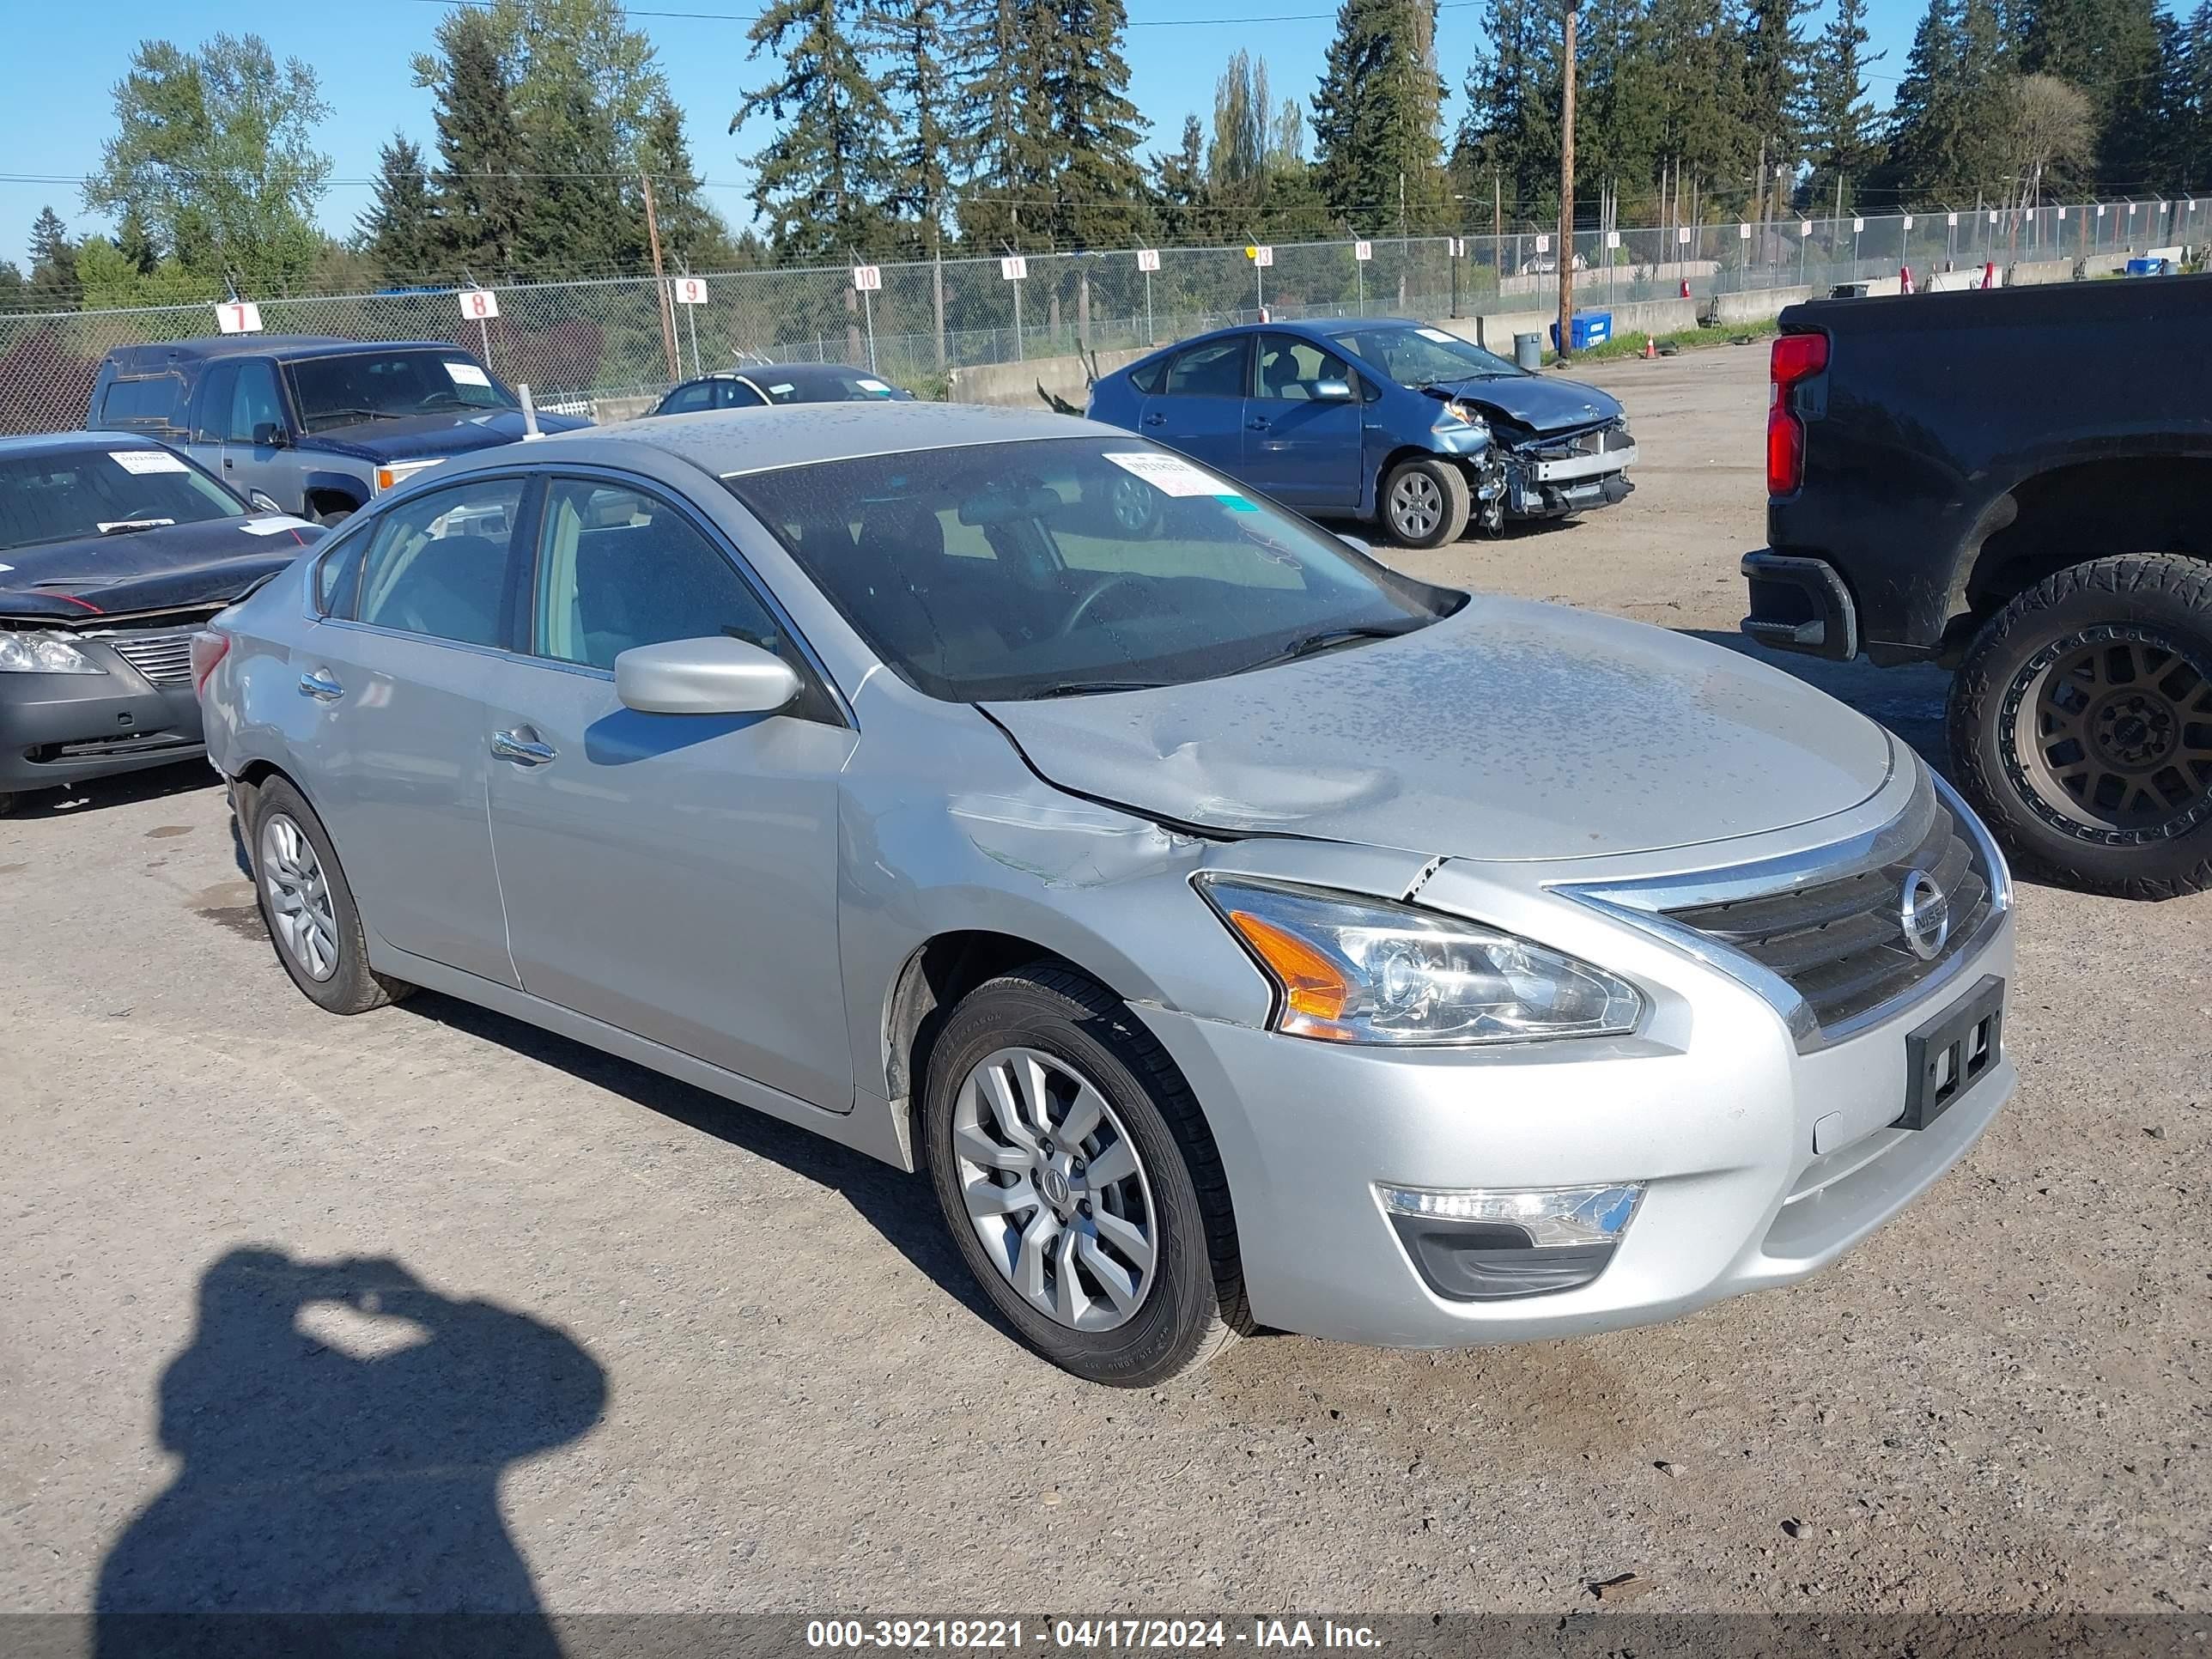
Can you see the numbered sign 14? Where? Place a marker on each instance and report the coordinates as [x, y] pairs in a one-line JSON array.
[[479, 305], [238, 317]]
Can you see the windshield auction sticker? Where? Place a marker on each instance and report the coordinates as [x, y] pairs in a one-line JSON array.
[[147, 460], [467, 374], [1169, 474]]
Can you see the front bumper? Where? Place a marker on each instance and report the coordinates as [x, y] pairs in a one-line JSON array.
[[1541, 487], [1714, 1110], [58, 729]]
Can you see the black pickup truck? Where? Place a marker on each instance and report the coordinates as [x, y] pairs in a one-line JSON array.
[[2017, 484]]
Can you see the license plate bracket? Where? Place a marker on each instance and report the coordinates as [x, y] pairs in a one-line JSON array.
[[1946, 1057]]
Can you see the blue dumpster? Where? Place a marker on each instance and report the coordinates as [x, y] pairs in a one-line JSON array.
[[1590, 328]]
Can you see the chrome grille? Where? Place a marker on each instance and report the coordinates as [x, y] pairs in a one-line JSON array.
[[1841, 945], [164, 659]]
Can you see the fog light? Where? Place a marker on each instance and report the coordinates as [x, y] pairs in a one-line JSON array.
[[1482, 1245]]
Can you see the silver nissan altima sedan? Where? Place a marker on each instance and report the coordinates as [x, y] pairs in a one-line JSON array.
[[1238, 933]]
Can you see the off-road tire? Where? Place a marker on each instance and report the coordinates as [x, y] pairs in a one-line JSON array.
[[2165, 596], [1196, 1306], [1454, 498], [354, 987]]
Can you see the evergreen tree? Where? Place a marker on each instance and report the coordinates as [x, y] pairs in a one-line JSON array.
[[1178, 184], [1946, 136], [692, 234], [820, 181], [913, 41], [134, 240], [1838, 120], [2190, 102], [53, 259], [1774, 76], [14, 290], [1508, 140], [1002, 123], [398, 231], [1096, 182], [1378, 117], [485, 193], [2112, 50]]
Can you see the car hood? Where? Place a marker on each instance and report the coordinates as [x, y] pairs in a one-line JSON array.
[[187, 564], [1537, 401], [421, 436], [1509, 730]]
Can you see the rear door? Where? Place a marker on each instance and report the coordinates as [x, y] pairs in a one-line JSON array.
[[674, 875], [1200, 407], [396, 761], [1300, 447]]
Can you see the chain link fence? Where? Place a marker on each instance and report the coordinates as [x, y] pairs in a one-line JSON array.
[[584, 344]]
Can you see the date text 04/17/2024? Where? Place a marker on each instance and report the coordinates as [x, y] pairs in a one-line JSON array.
[[1084, 1635]]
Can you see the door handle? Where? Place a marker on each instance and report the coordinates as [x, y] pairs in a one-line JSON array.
[[1257, 423], [319, 685], [523, 751], [227, 464], [1156, 420]]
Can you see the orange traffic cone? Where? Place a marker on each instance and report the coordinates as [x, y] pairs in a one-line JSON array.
[[1989, 274], [1904, 279], [1650, 348]]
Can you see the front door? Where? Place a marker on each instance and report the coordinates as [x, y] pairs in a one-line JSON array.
[[396, 759], [1301, 437], [674, 875], [255, 455], [1200, 407]]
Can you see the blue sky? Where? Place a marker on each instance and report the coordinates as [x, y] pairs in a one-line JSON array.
[[68, 59]]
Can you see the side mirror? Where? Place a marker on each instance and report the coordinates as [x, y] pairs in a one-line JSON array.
[[1334, 391], [262, 502], [717, 675], [268, 436]]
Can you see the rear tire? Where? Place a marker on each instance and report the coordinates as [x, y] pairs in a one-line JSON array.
[[1425, 503], [7, 805], [313, 923], [2080, 725], [1111, 1250]]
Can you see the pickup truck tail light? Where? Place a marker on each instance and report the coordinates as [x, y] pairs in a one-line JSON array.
[[208, 649], [1797, 357]]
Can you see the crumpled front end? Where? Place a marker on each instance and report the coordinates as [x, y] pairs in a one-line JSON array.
[[1550, 475]]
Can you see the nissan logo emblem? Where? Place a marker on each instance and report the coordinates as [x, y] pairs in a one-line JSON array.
[[1923, 911]]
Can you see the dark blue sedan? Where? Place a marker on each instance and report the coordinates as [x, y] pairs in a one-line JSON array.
[[1399, 423]]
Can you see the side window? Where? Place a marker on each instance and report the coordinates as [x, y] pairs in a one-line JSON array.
[[338, 576], [438, 564], [618, 568], [151, 402], [256, 404], [700, 394], [1209, 371], [1147, 379], [736, 394], [1291, 367], [218, 390]]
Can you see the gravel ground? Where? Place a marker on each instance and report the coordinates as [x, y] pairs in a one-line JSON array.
[[665, 1355]]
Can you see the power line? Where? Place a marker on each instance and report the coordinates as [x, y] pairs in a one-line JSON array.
[[1133, 22]]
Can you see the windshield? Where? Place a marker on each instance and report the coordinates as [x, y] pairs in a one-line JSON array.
[[65, 493], [825, 385], [389, 386], [1422, 357], [1072, 565]]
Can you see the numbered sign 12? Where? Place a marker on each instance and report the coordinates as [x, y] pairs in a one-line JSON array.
[[238, 317], [867, 279], [691, 291], [479, 305], [1148, 258]]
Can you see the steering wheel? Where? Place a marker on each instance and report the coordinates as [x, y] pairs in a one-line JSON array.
[[1099, 590]]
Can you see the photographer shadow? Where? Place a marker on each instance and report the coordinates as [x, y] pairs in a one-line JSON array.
[[342, 1429]]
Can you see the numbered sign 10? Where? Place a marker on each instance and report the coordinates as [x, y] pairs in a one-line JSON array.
[[691, 291], [479, 305], [867, 279], [238, 317]]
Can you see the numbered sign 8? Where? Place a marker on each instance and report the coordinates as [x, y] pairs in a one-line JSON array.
[[238, 317], [1014, 268], [1148, 258], [691, 291], [867, 279], [1363, 251], [479, 305]]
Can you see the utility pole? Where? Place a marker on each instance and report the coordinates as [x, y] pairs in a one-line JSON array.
[[659, 282], [1567, 188]]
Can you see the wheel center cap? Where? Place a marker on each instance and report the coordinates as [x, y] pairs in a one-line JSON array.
[[2134, 730], [1053, 1185]]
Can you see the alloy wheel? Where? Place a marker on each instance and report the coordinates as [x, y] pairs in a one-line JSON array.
[[299, 896], [1416, 505], [1055, 1190], [2108, 734]]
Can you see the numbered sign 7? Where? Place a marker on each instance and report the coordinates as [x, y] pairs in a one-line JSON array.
[[238, 317]]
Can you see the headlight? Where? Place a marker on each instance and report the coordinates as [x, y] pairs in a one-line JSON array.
[[43, 653], [391, 477], [1463, 415], [1353, 969]]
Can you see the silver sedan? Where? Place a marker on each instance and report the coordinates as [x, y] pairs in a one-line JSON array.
[[1238, 933]]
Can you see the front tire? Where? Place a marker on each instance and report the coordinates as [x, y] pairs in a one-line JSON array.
[[1425, 502], [336, 516], [1079, 1180], [309, 909], [2080, 725]]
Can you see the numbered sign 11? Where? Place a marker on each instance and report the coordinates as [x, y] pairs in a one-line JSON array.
[[479, 305], [238, 317], [1014, 268]]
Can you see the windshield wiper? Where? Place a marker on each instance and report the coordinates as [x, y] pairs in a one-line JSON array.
[[1091, 688], [127, 526], [351, 415], [1329, 640]]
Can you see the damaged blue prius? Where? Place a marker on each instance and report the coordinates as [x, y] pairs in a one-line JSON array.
[[1239, 934]]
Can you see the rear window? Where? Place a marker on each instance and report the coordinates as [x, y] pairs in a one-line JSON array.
[[150, 401]]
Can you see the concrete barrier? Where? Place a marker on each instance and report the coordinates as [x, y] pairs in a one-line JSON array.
[[1756, 305], [1015, 384], [2026, 272], [1494, 330]]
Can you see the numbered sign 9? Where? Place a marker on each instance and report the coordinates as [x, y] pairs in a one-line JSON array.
[[1148, 258], [691, 291], [1363, 251], [1014, 268], [479, 305], [867, 279], [238, 317]]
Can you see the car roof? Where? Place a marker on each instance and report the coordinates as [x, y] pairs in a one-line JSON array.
[[39, 443], [727, 442], [797, 374], [270, 345]]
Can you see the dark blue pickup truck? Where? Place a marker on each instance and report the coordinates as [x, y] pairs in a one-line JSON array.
[[318, 426]]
